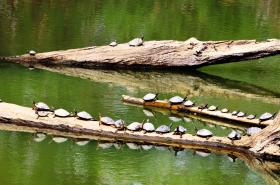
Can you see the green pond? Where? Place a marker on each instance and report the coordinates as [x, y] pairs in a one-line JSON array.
[[251, 86]]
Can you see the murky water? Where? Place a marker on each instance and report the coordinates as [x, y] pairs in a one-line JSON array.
[[50, 25]]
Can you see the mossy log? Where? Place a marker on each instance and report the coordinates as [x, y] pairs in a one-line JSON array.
[[156, 54], [12, 114]]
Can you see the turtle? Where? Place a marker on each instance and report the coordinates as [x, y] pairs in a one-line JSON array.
[[42, 113], [106, 121], [135, 126], [113, 43], [82, 142], [180, 130], [234, 135], [251, 116], [175, 100], [40, 106], [224, 110], [204, 133], [32, 53], [189, 103], [212, 108], [120, 125], [59, 139], [266, 116], [84, 116], [234, 113], [202, 106], [61, 113], [241, 114], [136, 42], [150, 97], [163, 129], [148, 127], [253, 130]]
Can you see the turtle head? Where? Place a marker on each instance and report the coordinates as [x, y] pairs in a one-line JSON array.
[[185, 98], [33, 105], [142, 37]]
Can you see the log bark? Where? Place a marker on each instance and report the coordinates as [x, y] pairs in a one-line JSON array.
[[156, 54]]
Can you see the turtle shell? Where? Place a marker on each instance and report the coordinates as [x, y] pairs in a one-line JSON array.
[[42, 113], [32, 52], [135, 126], [176, 100], [253, 130], [120, 124], [148, 127], [163, 129], [251, 116], [180, 130], [150, 97], [240, 114], [61, 113], [136, 42], [266, 116], [202, 106], [234, 135], [113, 44], [212, 108], [234, 113], [224, 110], [204, 133], [84, 115], [188, 103], [107, 121], [41, 106]]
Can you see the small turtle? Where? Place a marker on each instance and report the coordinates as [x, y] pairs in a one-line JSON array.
[[164, 129], [120, 125], [113, 44], [175, 100], [224, 110], [150, 97], [241, 114], [82, 142], [189, 103], [135, 126], [266, 116], [234, 135], [136, 42], [42, 113], [204, 133], [251, 116], [61, 113], [148, 127], [106, 121], [40, 106], [84, 116], [253, 130], [202, 106], [180, 130], [212, 108], [32, 53], [59, 139], [234, 113]]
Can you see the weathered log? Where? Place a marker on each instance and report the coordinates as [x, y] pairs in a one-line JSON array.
[[22, 116], [156, 54], [195, 110]]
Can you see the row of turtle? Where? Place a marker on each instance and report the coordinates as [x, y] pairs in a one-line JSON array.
[[177, 100]]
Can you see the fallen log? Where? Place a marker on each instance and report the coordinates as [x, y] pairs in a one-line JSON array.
[[195, 110], [156, 54], [12, 114]]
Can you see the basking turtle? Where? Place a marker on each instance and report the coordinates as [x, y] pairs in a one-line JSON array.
[[106, 121], [32, 53], [202, 106], [61, 113], [189, 103], [180, 130], [241, 114], [212, 108], [204, 133], [135, 126], [175, 100], [84, 116], [59, 139], [40, 106], [113, 44], [150, 97], [224, 110], [42, 113], [148, 127], [120, 125], [136, 42], [234, 135], [251, 116], [234, 113], [164, 129], [253, 130], [266, 116]]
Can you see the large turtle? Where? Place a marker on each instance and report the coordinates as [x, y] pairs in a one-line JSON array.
[[61, 113], [40, 106], [163, 129], [204, 133], [148, 127], [150, 97], [180, 130], [84, 116], [175, 100], [266, 116], [106, 121], [253, 130], [136, 42], [135, 126]]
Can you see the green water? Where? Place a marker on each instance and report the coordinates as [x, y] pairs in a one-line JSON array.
[[52, 25]]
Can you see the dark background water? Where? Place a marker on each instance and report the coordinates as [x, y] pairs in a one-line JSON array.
[[251, 86]]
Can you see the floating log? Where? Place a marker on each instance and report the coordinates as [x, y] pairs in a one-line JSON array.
[[195, 110], [156, 54], [12, 114]]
